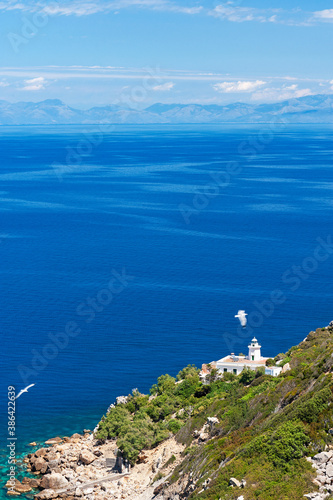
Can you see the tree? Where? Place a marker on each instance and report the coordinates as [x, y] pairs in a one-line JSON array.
[[247, 376], [186, 388], [166, 383], [270, 362], [213, 375], [190, 371]]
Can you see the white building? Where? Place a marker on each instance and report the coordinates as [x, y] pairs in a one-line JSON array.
[[236, 364]]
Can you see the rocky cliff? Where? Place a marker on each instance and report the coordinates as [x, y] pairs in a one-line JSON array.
[[246, 437]]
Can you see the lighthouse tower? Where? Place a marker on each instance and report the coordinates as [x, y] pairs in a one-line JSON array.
[[254, 350]]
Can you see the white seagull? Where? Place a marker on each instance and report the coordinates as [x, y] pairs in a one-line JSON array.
[[242, 318], [24, 390]]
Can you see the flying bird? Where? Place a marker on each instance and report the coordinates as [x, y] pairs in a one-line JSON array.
[[242, 318], [24, 390]]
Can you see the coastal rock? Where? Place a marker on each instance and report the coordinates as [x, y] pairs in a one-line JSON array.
[[39, 464], [54, 481], [52, 455], [323, 457], [142, 458], [34, 483], [122, 400], [52, 465], [76, 436], [22, 488], [158, 490], [235, 482], [55, 440], [33, 444], [88, 491], [203, 436], [11, 482], [41, 452], [18, 487], [211, 421], [329, 470], [86, 457], [46, 495], [286, 368]]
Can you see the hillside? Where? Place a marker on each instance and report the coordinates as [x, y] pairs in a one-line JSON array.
[[260, 429], [310, 109], [244, 437]]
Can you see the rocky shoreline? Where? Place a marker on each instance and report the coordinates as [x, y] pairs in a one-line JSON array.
[[81, 466]]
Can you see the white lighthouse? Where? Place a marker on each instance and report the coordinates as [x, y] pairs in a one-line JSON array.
[[254, 350], [236, 364]]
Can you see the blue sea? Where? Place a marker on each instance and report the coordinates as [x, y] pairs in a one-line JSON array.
[[127, 251]]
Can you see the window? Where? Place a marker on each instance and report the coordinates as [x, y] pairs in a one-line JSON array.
[[235, 371], [252, 358], [225, 370]]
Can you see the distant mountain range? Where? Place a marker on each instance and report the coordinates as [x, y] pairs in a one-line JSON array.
[[309, 109]]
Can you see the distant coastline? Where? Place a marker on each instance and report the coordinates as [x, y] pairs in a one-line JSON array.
[[313, 109]]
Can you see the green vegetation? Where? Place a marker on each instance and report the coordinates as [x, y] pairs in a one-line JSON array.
[[144, 422], [266, 425]]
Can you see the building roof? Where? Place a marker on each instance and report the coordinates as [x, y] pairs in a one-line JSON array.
[[242, 361]]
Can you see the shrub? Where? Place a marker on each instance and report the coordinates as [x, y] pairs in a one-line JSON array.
[[165, 383], [174, 426], [287, 443], [114, 421], [285, 361], [247, 376], [270, 362], [229, 376], [190, 371], [202, 390], [260, 372], [308, 411], [213, 376], [139, 434], [171, 460], [186, 388]]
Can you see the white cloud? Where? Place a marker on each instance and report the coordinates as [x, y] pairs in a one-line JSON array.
[[79, 8], [275, 94], [237, 14], [165, 87], [4, 84], [325, 15], [34, 84], [292, 87], [229, 10], [240, 86]]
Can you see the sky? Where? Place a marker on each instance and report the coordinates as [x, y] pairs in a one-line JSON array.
[[139, 52]]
